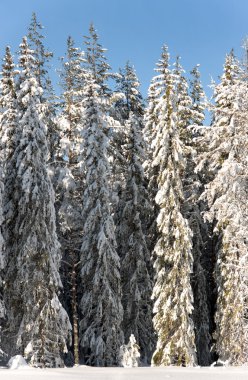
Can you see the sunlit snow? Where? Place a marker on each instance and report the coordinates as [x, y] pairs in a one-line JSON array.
[[90, 373]]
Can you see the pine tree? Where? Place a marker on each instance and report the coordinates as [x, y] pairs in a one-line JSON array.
[[131, 216], [41, 56], [150, 171], [2, 265], [32, 281], [226, 195], [193, 209], [69, 181], [172, 292], [198, 98], [41, 66], [96, 62], [132, 247], [8, 105], [190, 113], [183, 101], [132, 101], [9, 136], [100, 326]]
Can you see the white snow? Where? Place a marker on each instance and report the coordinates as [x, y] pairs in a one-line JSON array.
[[17, 362], [97, 373]]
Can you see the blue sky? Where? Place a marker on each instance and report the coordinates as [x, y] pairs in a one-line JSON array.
[[200, 31]]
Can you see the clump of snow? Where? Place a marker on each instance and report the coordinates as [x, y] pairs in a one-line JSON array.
[[17, 362], [220, 363]]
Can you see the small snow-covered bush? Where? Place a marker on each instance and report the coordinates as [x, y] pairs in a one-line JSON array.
[[129, 354]]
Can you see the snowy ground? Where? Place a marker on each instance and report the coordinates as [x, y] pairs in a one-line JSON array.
[[89, 373]]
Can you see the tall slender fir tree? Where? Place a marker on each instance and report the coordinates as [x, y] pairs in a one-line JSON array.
[[193, 208], [32, 281], [69, 181], [100, 327], [131, 218], [42, 57], [172, 292], [226, 195], [9, 136]]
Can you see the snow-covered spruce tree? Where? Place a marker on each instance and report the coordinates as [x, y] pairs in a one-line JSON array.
[[172, 292], [96, 62], [128, 99], [131, 218], [151, 172], [132, 248], [2, 262], [190, 110], [198, 98], [226, 193], [100, 325], [132, 101], [69, 181], [2, 265], [183, 101], [42, 58], [40, 325], [8, 132], [190, 114]]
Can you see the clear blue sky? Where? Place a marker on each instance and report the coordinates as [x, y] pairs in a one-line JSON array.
[[200, 31]]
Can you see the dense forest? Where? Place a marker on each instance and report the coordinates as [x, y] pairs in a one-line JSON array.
[[121, 216]]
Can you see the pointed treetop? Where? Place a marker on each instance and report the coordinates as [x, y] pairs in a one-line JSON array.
[[26, 58], [163, 63], [128, 84], [199, 101], [95, 60], [41, 55], [72, 73], [231, 69], [8, 73]]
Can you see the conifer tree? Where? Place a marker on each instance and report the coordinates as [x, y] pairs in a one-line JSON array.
[[8, 105], [2, 265], [100, 325], [132, 247], [96, 62], [193, 209], [9, 134], [190, 110], [69, 180], [42, 57], [150, 171], [183, 102], [131, 217], [226, 195], [132, 101], [40, 324], [198, 98], [172, 292]]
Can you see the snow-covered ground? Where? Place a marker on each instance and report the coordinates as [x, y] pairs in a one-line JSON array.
[[89, 373]]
